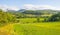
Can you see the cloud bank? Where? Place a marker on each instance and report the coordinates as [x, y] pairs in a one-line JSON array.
[[39, 7]]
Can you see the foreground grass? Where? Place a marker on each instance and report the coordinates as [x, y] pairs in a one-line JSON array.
[[37, 29], [43, 28]]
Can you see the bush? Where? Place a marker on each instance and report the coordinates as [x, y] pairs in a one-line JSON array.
[[38, 19]]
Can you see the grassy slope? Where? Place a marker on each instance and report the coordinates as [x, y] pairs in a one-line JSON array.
[[46, 28]]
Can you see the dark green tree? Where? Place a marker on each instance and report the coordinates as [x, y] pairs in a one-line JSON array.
[[55, 17]]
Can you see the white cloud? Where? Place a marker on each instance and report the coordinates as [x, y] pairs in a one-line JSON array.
[[29, 7], [39, 7], [4, 7]]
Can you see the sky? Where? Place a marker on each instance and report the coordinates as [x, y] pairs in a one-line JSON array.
[[30, 4]]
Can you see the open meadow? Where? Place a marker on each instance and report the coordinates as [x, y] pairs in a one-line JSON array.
[[31, 28], [37, 29]]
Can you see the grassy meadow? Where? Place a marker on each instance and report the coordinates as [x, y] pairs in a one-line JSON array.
[[37, 29], [28, 26]]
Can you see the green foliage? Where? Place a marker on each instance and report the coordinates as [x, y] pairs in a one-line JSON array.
[[6, 17], [38, 19], [55, 17]]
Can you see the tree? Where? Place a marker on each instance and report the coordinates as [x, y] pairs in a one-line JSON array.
[[55, 17], [6, 17], [38, 19]]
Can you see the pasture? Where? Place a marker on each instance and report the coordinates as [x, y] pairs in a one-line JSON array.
[[37, 29], [43, 28]]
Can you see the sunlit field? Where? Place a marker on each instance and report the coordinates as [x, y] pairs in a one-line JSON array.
[[37, 29], [42, 28]]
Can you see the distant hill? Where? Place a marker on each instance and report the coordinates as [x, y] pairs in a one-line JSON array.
[[35, 12], [41, 11]]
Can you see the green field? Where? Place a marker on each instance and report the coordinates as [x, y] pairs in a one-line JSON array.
[[49, 28], [29, 20], [29, 26]]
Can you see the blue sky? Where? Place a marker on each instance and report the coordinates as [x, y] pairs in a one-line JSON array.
[[21, 3]]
